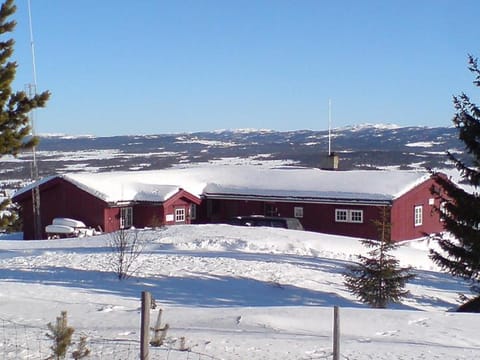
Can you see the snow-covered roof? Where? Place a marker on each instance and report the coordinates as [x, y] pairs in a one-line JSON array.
[[114, 187], [122, 187], [313, 184], [159, 185]]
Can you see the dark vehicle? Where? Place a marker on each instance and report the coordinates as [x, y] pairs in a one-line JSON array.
[[270, 221]]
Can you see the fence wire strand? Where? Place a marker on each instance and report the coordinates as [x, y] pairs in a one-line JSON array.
[[24, 342]]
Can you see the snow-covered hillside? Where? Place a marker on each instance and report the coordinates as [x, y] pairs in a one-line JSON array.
[[364, 146], [232, 292]]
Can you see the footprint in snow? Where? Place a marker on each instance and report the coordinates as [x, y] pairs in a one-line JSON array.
[[421, 322], [126, 333], [364, 340], [387, 333], [109, 308]]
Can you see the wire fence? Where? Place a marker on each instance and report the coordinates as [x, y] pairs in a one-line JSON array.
[[24, 340], [20, 341]]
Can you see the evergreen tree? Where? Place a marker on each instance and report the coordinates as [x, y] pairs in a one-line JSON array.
[[61, 335], [15, 107], [377, 279], [9, 220], [460, 253]]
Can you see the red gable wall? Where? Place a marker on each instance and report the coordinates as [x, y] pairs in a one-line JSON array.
[[403, 213], [59, 198]]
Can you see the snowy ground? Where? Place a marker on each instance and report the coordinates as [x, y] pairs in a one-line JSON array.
[[232, 293]]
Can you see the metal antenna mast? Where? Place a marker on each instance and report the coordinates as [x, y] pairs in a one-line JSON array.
[[32, 91], [329, 127], [32, 44]]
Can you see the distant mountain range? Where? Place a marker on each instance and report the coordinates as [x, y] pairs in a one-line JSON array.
[[358, 147]]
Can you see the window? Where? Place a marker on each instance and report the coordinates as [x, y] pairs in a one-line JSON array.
[[356, 216], [126, 218], [298, 212], [418, 215], [180, 214], [351, 216], [341, 215], [193, 211], [270, 209]]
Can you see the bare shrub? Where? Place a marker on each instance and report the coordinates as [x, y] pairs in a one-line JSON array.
[[126, 246], [82, 351]]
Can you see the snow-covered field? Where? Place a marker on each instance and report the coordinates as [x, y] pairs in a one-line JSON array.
[[232, 293]]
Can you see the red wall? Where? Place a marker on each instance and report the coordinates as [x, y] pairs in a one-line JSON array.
[[321, 217], [111, 219], [26, 213], [59, 198], [148, 215], [170, 207], [316, 217], [403, 224]]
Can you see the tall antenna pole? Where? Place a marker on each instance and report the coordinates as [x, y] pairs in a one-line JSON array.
[[32, 91], [329, 127], [32, 44]]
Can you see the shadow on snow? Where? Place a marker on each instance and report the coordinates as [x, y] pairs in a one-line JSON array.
[[203, 290]]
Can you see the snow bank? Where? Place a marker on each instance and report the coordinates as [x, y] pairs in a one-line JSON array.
[[232, 293]]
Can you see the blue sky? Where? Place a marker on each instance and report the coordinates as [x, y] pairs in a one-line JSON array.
[[152, 66]]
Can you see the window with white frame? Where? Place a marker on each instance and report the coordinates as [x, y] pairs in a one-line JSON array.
[[418, 214], [193, 211], [356, 216], [348, 215], [180, 214], [298, 212], [341, 215], [126, 218]]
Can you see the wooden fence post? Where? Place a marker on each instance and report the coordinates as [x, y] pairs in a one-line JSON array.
[[145, 325], [336, 333]]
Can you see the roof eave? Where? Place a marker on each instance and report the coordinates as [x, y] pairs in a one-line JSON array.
[[301, 199]]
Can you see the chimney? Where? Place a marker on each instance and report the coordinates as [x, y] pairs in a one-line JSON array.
[[329, 162]]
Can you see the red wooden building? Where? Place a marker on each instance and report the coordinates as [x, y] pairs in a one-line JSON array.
[[412, 213], [70, 197], [334, 202]]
